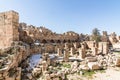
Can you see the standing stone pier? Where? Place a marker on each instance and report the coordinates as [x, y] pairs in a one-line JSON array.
[[94, 51], [66, 55], [9, 22], [72, 51], [103, 47], [59, 52]]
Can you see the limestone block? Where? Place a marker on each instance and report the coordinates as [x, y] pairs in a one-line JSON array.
[[9, 22], [82, 53], [72, 51], [84, 67], [103, 47], [94, 51], [2, 78], [47, 77], [116, 46], [66, 56], [74, 65], [10, 78], [56, 78], [1, 75], [18, 76], [117, 62], [48, 61], [29, 76], [91, 59], [44, 66], [93, 66], [37, 71], [5, 73], [59, 52], [52, 75], [66, 45]]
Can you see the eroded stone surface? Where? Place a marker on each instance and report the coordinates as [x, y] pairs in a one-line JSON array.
[[75, 53]]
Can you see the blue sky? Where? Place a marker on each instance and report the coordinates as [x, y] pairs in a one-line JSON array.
[[60, 16]]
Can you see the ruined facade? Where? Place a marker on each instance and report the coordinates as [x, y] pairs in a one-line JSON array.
[[32, 33], [18, 41]]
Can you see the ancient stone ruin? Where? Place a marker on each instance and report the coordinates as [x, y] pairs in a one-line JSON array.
[[9, 22], [60, 55]]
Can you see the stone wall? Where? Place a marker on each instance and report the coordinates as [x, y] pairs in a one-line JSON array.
[[9, 63], [90, 44], [30, 34], [9, 22]]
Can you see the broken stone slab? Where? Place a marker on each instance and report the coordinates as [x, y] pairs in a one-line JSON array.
[[29, 76], [59, 73], [57, 78], [93, 66], [10, 78], [74, 65], [53, 75], [2, 78], [4, 69], [1, 60], [47, 77], [5, 74], [9, 62], [117, 62], [18, 75], [84, 67], [36, 71], [1, 75]]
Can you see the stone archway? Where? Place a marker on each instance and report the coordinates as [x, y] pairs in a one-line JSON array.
[[64, 41], [69, 41], [52, 41], [43, 41], [58, 41]]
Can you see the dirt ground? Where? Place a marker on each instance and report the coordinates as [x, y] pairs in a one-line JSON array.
[[109, 74]]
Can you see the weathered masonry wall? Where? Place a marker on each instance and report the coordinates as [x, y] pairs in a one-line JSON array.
[[9, 22]]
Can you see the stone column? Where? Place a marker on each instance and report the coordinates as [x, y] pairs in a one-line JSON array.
[[45, 56], [105, 48], [82, 53], [66, 55], [48, 61], [44, 66], [59, 52], [94, 51], [100, 47], [66, 46], [72, 51]]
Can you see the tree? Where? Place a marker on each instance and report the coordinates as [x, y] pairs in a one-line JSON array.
[[96, 35]]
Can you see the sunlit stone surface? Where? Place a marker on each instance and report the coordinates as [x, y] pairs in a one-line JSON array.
[[28, 52]]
